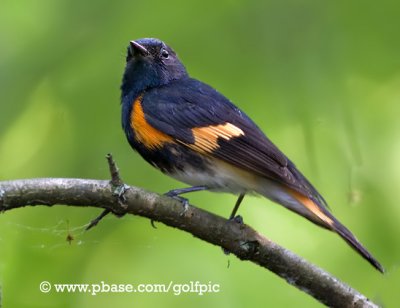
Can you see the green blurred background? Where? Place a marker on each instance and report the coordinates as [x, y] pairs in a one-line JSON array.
[[321, 78]]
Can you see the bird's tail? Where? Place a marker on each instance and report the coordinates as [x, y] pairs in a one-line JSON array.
[[353, 242], [320, 215]]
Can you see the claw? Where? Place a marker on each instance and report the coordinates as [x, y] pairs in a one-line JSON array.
[[175, 193], [237, 219], [226, 252], [184, 201], [185, 207]]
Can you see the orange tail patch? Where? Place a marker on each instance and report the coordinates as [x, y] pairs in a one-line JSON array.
[[311, 206]]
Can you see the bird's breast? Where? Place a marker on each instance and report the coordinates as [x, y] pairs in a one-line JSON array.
[[144, 133]]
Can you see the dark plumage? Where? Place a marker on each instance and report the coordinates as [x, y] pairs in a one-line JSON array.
[[192, 132]]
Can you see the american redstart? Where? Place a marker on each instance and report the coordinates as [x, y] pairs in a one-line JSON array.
[[193, 133]]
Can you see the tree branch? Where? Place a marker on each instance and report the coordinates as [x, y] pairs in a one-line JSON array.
[[241, 240]]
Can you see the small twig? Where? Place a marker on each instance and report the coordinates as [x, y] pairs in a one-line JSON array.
[[95, 221], [114, 171], [119, 190]]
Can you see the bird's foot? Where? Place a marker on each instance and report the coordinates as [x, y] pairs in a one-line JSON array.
[[237, 219], [184, 201]]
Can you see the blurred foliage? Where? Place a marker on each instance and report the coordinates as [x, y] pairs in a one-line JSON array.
[[321, 78]]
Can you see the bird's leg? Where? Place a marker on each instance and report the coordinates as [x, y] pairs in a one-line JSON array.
[[233, 216], [238, 219], [175, 193]]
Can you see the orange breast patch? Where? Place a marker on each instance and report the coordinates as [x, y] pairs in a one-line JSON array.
[[144, 132]]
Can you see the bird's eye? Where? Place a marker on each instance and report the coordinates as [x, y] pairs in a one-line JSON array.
[[165, 54]]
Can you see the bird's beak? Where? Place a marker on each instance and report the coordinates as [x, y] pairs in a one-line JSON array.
[[136, 48]]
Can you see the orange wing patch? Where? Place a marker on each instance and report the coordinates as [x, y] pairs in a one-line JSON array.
[[311, 206], [206, 138], [145, 133]]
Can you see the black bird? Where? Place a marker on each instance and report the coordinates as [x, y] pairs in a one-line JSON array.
[[193, 133]]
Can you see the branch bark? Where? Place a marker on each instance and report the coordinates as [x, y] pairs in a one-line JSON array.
[[241, 240]]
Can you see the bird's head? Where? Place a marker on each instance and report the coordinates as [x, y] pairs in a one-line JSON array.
[[150, 63]]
